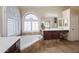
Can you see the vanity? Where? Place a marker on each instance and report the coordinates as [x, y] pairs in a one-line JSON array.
[[55, 28], [55, 34], [9, 44]]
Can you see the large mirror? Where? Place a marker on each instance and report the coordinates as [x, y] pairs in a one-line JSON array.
[[60, 23], [54, 22]]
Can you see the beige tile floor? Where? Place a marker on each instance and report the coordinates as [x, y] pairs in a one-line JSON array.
[[53, 46]]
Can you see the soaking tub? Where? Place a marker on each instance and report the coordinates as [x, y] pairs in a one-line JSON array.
[[28, 40]]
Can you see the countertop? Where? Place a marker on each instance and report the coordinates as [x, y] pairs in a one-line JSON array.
[[54, 29], [7, 42]]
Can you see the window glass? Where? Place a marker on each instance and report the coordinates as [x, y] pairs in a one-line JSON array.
[[27, 26], [31, 16], [11, 26], [35, 26], [31, 23]]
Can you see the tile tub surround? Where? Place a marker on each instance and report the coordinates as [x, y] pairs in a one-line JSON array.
[[7, 42], [53, 46]]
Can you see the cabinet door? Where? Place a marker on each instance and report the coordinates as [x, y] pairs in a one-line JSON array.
[[74, 29], [18, 46]]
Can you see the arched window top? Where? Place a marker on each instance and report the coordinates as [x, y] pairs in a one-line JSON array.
[[31, 17]]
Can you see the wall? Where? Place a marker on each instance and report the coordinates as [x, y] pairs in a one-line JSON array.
[[73, 16], [0, 21], [42, 12]]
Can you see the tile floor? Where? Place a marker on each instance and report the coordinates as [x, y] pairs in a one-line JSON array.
[[53, 46]]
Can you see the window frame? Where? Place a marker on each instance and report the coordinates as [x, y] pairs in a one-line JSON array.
[[31, 23]]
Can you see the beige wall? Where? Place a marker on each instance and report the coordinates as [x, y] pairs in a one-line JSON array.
[[42, 12], [0, 21]]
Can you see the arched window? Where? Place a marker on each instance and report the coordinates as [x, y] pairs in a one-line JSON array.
[[31, 23]]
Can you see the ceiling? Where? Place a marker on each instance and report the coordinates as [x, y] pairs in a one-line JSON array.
[[44, 7], [47, 7], [44, 10]]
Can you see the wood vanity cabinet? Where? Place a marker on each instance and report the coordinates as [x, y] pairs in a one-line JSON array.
[[50, 34], [54, 34], [15, 48]]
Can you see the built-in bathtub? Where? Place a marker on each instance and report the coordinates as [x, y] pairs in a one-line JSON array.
[[28, 40]]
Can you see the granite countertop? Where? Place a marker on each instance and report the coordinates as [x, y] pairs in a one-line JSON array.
[[7, 42]]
